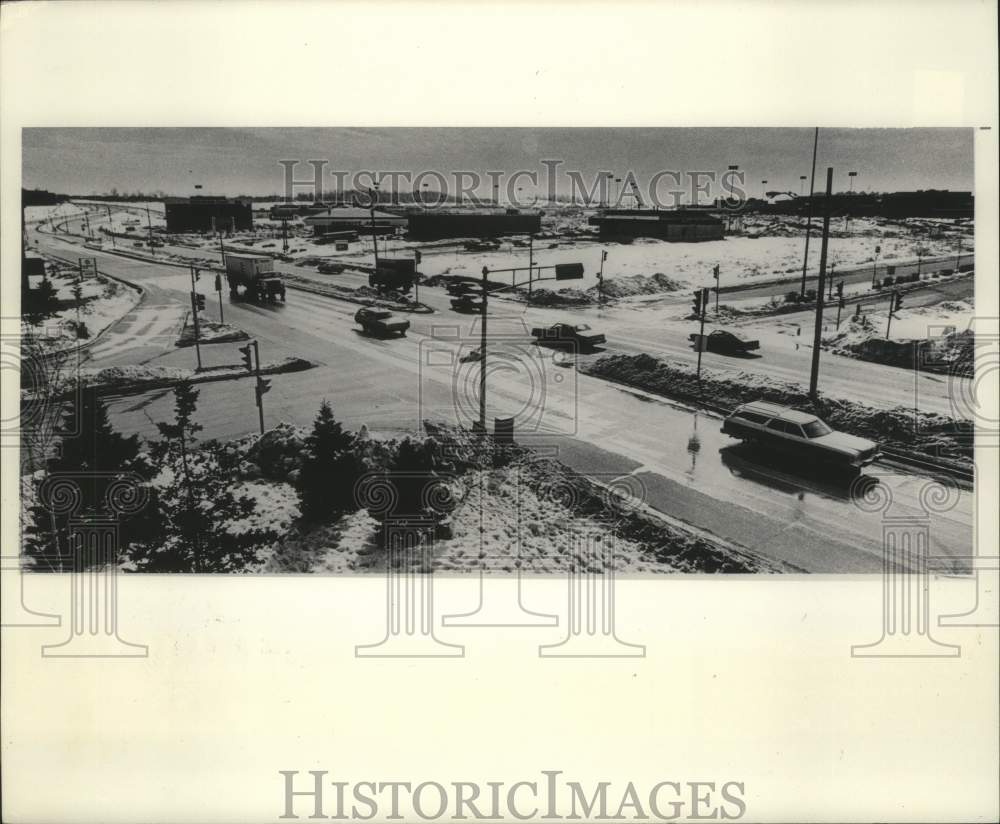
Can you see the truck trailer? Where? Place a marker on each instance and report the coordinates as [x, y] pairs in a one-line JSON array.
[[255, 273]]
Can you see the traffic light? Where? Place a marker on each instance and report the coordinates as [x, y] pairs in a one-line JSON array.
[[698, 304], [199, 301], [263, 386], [197, 273], [218, 283], [417, 257], [247, 357], [840, 290], [715, 271], [897, 301]]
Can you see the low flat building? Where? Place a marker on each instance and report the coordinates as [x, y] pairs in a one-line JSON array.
[[440, 225], [353, 218], [675, 225], [208, 214]]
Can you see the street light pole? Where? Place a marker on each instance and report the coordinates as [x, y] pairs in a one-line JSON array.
[[482, 352], [531, 262], [812, 187], [818, 332]]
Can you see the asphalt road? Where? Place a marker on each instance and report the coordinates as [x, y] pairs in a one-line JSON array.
[[688, 469]]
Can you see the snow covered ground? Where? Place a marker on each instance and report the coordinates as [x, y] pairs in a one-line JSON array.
[[921, 323], [103, 302]]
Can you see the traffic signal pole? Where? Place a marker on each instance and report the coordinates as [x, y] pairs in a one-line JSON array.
[[818, 332], [194, 314], [260, 387]]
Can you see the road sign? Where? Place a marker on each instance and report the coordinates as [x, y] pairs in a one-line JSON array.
[[88, 268], [569, 271]]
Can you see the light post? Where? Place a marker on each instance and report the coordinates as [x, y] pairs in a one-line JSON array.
[[729, 185], [850, 177], [875, 268], [812, 188], [802, 183], [763, 190], [563, 271], [600, 277]]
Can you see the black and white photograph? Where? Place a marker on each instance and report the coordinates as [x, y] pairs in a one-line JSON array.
[[290, 342], [414, 413]]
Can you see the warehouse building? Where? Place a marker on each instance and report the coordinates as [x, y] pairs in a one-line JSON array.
[[353, 218], [676, 225], [208, 214], [438, 225]]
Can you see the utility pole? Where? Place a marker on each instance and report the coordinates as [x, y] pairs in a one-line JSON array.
[[818, 333], [812, 187], [149, 227], [417, 257], [194, 314], [700, 307], [374, 234], [829, 295], [222, 251], [111, 230], [482, 352], [531, 262], [875, 267], [600, 277], [715, 274]]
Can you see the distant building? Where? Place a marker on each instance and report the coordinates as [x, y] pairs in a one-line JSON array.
[[208, 214], [438, 225], [353, 218], [928, 203], [675, 225], [940, 203]]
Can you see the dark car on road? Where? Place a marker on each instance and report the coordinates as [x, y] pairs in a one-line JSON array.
[[381, 322], [579, 335], [800, 434], [469, 302], [461, 287], [724, 343]]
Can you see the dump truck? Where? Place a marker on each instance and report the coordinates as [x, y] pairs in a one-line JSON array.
[[395, 274], [255, 273]]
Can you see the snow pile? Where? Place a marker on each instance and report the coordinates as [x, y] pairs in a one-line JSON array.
[[210, 331], [112, 376], [936, 338]]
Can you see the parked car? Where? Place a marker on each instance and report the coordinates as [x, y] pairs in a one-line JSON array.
[[725, 343], [381, 322], [469, 302], [801, 434], [579, 334], [461, 287]]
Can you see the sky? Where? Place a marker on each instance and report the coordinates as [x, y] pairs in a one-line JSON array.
[[231, 161]]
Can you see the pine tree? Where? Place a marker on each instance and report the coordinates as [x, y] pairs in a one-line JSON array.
[[92, 452], [329, 469]]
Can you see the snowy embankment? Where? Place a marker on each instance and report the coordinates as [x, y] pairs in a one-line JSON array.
[[936, 338], [525, 513], [125, 379]]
